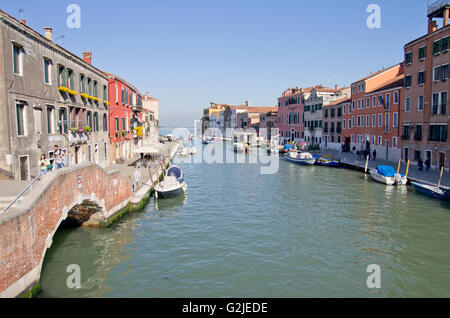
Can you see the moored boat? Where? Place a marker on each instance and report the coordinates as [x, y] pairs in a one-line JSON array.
[[387, 175], [327, 161], [172, 185], [431, 191], [301, 158]]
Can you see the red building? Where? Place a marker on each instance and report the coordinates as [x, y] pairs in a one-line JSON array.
[[374, 113], [125, 114]]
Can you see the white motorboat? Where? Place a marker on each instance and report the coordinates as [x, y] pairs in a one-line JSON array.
[[172, 185], [388, 176], [301, 158]]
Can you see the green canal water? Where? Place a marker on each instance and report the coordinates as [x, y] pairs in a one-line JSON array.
[[302, 232]]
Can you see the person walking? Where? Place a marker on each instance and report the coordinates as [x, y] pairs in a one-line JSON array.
[[58, 155], [44, 164], [428, 164], [374, 154], [420, 164], [368, 148]]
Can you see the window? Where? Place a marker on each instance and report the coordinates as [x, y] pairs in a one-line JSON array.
[[407, 104], [374, 120], [406, 132], [438, 133], [443, 109], [116, 94], [117, 124], [105, 122], [353, 121], [89, 86], [21, 119], [388, 101], [89, 119], [444, 72], [435, 104], [418, 132], [96, 122], [380, 120], [380, 100], [421, 78], [444, 44], [50, 120], [17, 59], [343, 124], [82, 84], [394, 142], [396, 97], [420, 103], [367, 121], [436, 74], [374, 101], [349, 123], [47, 71], [395, 120], [387, 122], [353, 105], [368, 103], [422, 53], [408, 80], [436, 47], [380, 141], [62, 76], [62, 121], [95, 89], [439, 106], [105, 93], [408, 58], [123, 123]]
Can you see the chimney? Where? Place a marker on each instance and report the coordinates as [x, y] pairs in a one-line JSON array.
[[48, 33], [432, 26], [87, 57], [23, 22], [336, 87]]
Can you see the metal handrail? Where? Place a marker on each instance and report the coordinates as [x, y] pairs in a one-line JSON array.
[[23, 192]]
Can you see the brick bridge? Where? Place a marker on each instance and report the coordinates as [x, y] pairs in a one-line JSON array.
[[26, 231]]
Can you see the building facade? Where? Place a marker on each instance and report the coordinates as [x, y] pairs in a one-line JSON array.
[[290, 111], [374, 113], [313, 112], [150, 110], [424, 110], [49, 96], [125, 114], [332, 123]]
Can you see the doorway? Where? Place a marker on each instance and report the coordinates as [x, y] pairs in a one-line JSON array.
[[441, 160], [77, 154], [406, 153], [24, 168], [387, 149]]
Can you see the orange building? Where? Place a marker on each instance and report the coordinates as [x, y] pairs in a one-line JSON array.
[[425, 118], [374, 113]]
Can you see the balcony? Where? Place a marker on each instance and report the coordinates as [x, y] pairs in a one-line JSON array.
[[435, 5], [78, 137]]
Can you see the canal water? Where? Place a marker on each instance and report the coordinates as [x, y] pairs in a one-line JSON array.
[[301, 232]]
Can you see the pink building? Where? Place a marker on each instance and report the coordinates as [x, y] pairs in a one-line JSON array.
[[290, 113], [151, 104]]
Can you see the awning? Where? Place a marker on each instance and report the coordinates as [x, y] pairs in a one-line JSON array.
[[151, 148]]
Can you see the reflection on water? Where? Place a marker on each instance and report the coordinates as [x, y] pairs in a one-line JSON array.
[[303, 232]]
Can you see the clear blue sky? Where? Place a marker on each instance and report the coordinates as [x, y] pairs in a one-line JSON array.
[[189, 52]]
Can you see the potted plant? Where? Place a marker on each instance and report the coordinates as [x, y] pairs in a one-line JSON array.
[[87, 129], [74, 130]]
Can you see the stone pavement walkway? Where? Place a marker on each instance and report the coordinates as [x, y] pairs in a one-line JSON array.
[[431, 177]]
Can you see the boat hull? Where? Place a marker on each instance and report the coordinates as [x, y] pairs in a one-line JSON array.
[[382, 179], [172, 192], [431, 191], [303, 162]]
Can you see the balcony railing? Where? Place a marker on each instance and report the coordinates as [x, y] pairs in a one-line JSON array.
[[78, 137], [435, 5]]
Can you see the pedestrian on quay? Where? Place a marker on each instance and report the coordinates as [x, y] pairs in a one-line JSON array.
[[374, 154], [44, 164], [368, 148], [58, 155], [420, 163], [428, 164]]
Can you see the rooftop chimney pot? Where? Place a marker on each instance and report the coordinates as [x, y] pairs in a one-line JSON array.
[[87, 57], [48, 33], [23, 22]]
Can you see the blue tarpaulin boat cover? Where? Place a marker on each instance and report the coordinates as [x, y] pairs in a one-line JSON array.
[[386, 171], [174, 171]]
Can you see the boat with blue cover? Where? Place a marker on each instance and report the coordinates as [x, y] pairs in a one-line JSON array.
[[388, 175], [172, 185]]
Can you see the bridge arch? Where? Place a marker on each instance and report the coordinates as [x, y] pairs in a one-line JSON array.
[[27, 233]]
